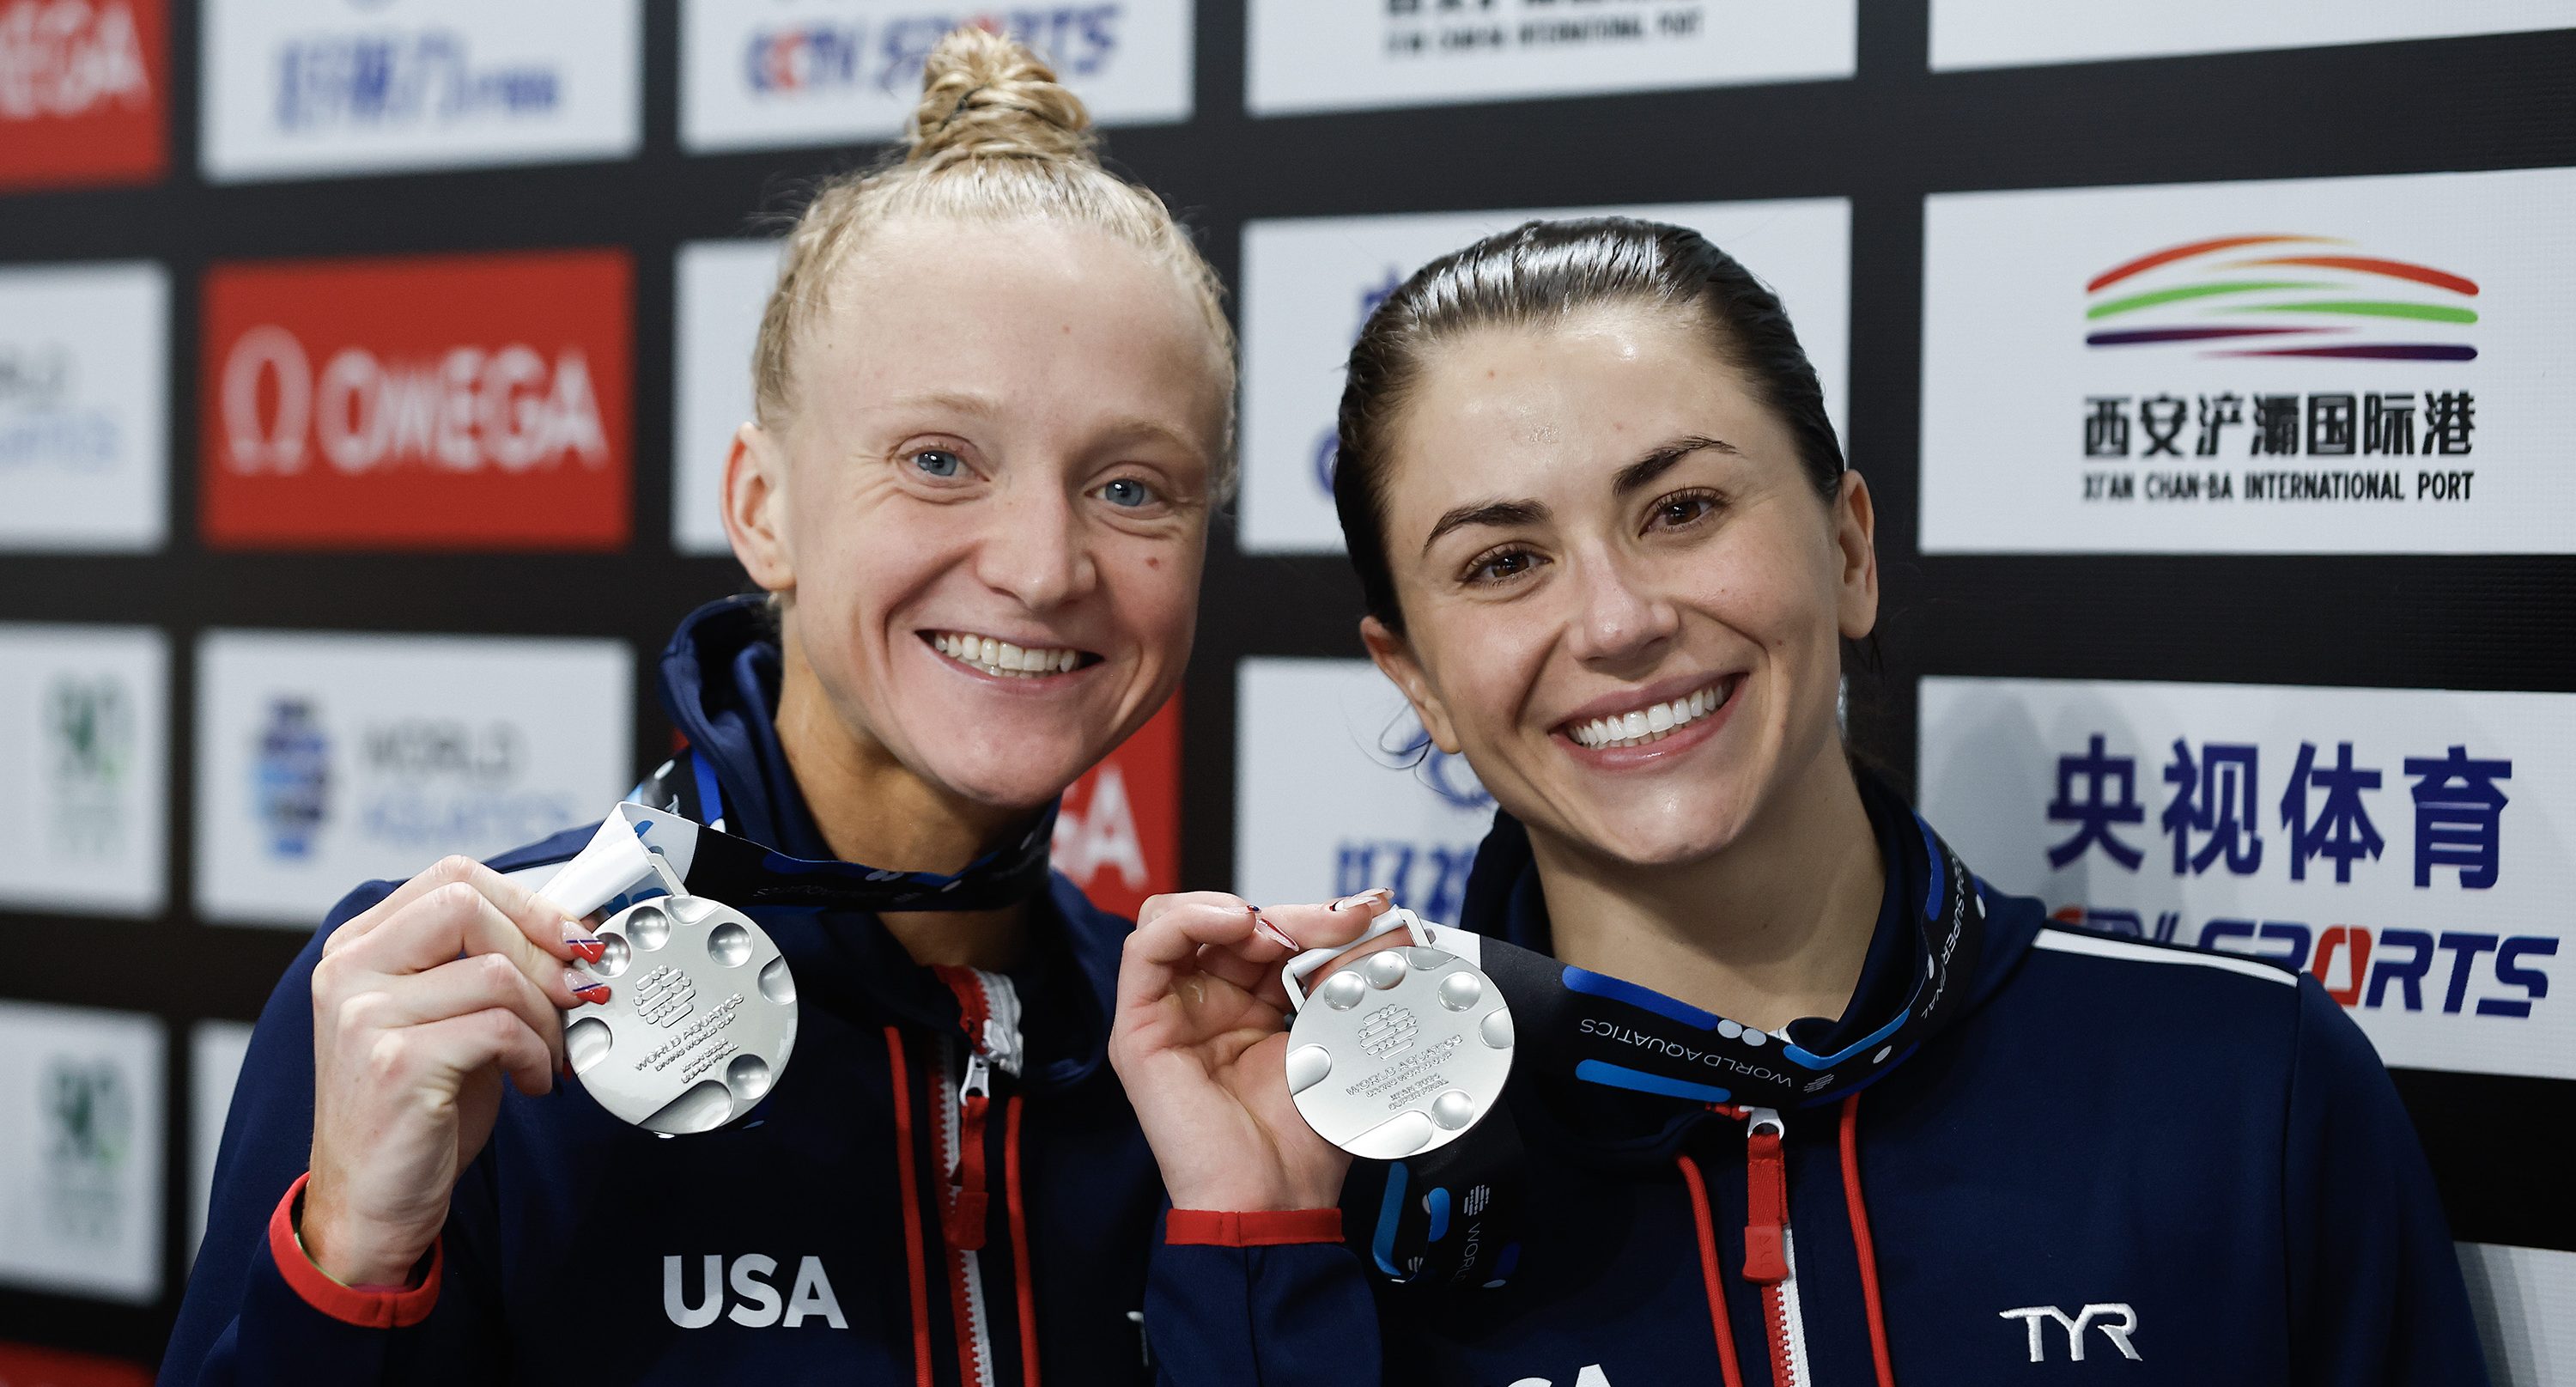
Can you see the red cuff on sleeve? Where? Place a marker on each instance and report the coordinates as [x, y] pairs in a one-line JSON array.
[[1263, 1228], [368, 1307]]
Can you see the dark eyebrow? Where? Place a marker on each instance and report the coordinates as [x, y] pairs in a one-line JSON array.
[[1486, 513], [1644, 470], [1629, 478]]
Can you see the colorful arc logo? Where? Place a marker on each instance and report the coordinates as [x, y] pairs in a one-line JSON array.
[[2281, 295]]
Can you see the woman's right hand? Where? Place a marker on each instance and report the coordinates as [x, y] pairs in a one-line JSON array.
[[420, 1006], [1201, 1045]]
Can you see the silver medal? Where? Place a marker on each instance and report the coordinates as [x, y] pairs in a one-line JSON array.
[[701, 1014], [1399, 1051]]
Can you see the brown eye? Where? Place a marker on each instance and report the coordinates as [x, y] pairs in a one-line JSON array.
[[1674, 512], [1511, 563]]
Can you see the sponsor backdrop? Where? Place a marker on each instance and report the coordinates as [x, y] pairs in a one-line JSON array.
[[367, 369]]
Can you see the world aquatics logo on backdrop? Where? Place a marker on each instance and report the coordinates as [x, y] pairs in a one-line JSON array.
[[2312, 296]]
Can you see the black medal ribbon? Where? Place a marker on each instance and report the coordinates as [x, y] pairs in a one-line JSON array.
[[1450, 1217], [743, 873]]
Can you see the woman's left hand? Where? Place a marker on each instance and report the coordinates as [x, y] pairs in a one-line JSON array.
[[1200, 1041]]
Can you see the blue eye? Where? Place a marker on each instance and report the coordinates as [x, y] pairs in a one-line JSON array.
[[938, 462], [1127, 493]]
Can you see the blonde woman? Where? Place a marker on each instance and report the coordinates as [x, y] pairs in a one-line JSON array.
[[993, 396]]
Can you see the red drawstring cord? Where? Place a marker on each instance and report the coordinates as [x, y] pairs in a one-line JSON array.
[[1020, 1243], [1708, 1273], [1862, 1244], [911, 1180]]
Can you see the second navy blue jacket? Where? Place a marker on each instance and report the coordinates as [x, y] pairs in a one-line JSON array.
[[2128, 1163]]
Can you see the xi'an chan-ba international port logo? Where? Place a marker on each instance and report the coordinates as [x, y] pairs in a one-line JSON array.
[[2262, 301]]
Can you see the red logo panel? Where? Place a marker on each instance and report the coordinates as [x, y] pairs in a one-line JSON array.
[[81, 92], [25, 1365], [1119, 834], [422, 402]]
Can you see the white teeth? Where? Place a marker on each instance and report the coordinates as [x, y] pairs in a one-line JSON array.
[[1650, 724], [1001, 657]]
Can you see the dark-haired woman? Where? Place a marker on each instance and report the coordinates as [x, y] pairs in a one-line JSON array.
[[1796, 1098]]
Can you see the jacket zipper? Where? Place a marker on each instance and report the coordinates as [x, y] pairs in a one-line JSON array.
[[1770, 1254], [991, 1022], [960, 1127]]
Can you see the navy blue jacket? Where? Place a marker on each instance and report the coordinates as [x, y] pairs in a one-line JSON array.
[[780, 1250], [2128, 1163]]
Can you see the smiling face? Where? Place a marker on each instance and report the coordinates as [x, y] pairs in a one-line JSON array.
[[988, 510], [1622, 597]]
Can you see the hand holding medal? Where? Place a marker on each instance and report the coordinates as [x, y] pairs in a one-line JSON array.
[[1201, 1043]]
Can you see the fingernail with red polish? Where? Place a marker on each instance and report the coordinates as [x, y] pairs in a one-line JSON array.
[[1273, 933], [596, 993], [588, 949]]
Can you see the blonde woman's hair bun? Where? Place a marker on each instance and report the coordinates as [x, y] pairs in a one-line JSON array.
[[984, 95], [996, 139]]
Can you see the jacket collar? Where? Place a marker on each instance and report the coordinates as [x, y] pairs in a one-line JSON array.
[[719, 681]]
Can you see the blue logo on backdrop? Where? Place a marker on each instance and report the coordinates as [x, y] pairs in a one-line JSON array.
[[1329, 447], [390, 80], [40, 424], [449, 785], [2369, 967], [2335, 816], [291, 777], [2217, 809], [1448, 775], [808, 56], [1429, 877], [1078, 39]]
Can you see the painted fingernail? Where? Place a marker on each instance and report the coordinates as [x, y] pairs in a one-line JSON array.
[[577, 936], [1273, 933], [1363, 898], [596, 993]]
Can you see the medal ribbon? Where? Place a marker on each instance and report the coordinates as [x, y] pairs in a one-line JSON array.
[[1577, 1025], [618, 868]]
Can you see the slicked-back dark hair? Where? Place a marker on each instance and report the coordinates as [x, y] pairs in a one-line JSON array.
[[1534, 275]]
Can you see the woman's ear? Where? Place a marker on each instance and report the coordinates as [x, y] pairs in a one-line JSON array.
[[1856, 542], [755, 508], [1394, 657]]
